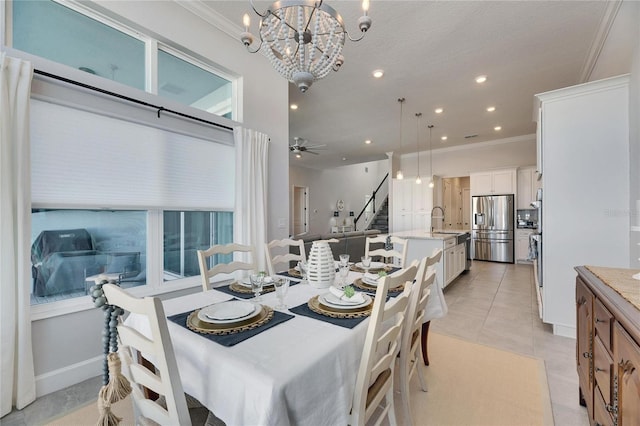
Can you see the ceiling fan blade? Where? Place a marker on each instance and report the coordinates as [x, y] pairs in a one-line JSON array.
[[311, 152], [316, 146]]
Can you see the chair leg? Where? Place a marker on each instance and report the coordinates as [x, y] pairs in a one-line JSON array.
[[423, 382], [392, 412], [405, 378], [425, 335]]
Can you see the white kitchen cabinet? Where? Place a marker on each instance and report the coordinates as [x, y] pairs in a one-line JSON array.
[[491, 182], [528, 184], [411, 205], [522, 244], [454, 260], [585, 154]]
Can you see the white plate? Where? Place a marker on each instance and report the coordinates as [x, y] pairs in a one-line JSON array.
[[374, 265], [330, 300], [247, 282], [370, 282], [230, 311]]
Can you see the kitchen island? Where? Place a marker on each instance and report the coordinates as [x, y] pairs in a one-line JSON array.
[[422, 242]]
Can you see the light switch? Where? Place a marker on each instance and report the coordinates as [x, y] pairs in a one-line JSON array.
[[282, 223]]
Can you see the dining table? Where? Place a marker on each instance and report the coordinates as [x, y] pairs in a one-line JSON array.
[[301, 371]]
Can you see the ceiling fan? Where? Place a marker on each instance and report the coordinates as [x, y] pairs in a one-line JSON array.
[[300, 145]]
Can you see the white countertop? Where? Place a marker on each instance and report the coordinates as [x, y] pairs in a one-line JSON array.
[[425, 234]]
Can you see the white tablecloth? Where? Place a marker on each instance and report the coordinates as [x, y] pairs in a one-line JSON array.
[[300, 372]]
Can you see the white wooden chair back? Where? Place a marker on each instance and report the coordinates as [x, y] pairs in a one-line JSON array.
[[433, 260], [207, 273], [400, 255], [411, 334], [375, 375], [165, 380], [274, 259]]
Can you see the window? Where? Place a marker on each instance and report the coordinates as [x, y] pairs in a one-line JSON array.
[[77, 37], [187, 232], [55, 32], [69, 248], [192, 85]]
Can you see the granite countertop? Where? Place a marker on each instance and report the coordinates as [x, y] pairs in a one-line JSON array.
[[425, 234], [621, 280]]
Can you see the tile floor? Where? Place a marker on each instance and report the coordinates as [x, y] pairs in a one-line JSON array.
[[493, 304]]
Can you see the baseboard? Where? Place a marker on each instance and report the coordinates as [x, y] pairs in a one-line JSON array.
[[67, 376], [564, 330]]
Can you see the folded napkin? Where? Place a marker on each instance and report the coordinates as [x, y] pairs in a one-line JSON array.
[[371, 279], [355, 299]]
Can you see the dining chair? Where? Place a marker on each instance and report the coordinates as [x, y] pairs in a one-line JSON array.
[[400, 254], [432, 261], [273, 259], [165, 380], [215, 252], [374, 382], [410, 340]]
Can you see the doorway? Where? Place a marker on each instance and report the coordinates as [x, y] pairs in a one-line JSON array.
[[300, 210], [456, 199]]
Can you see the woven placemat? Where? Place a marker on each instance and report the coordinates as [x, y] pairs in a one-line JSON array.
[[317, 307], [387, 268], [364, 286], [621, 280], [240, 288], [195, 324]]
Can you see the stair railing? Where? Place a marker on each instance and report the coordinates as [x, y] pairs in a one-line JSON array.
[[372, 201]]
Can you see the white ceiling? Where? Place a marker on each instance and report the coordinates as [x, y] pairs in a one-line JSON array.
[[431, 53]]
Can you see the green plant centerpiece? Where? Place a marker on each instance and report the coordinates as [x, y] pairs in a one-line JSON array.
[[382, 274], [349, 291]]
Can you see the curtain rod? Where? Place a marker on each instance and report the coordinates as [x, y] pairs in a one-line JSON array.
[[127, 98]]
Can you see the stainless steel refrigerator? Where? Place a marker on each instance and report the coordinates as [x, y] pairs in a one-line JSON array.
[[493, 230]]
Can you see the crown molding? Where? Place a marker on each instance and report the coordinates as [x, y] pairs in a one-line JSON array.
[[213, 18], [463, 147], [600, 39]]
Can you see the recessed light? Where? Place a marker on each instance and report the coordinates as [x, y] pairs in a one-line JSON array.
[[444, 138], [439, 110], [344, 158], [497, 128], [294, 106], [481, 79], [368, 141], [491, 109], [378, 73]]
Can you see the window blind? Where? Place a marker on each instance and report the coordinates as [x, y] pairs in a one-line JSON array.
[[86, 159]]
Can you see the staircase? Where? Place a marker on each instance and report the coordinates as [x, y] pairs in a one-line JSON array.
[[381, 219]]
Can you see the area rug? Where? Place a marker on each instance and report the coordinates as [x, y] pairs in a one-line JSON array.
[[87, 415], [468, 385], [475, 385]]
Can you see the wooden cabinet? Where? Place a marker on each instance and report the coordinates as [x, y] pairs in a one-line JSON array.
[[522, 245], [497, 182], [607, 351], [411, 205]]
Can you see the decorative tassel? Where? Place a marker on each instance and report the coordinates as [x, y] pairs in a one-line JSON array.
[[118, 387], [107, 417]]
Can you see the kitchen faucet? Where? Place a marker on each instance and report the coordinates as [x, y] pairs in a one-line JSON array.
[[432, 210]]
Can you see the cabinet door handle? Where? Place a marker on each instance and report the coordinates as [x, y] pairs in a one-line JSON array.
[[582, 301], [586, 354], [598, 369], [598, 320]]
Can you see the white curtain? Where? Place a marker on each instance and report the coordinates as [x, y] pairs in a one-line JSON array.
[[250, 215], [17, 381]]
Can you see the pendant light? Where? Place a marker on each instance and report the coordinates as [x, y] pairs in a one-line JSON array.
[[418, 115], [431, 184], [399, 174]]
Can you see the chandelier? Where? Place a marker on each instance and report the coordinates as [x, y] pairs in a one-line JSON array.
[[303, 39]]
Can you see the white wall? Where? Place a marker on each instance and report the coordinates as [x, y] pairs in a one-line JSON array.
[[67, 348], [326, 187], [634, 144]]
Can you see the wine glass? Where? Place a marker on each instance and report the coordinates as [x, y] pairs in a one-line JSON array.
[[344, 259], [302, 265], [257, 281], [366, 263], [343, 272], [282, 287]]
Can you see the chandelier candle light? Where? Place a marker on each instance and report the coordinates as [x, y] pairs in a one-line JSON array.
[[303, 39]]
